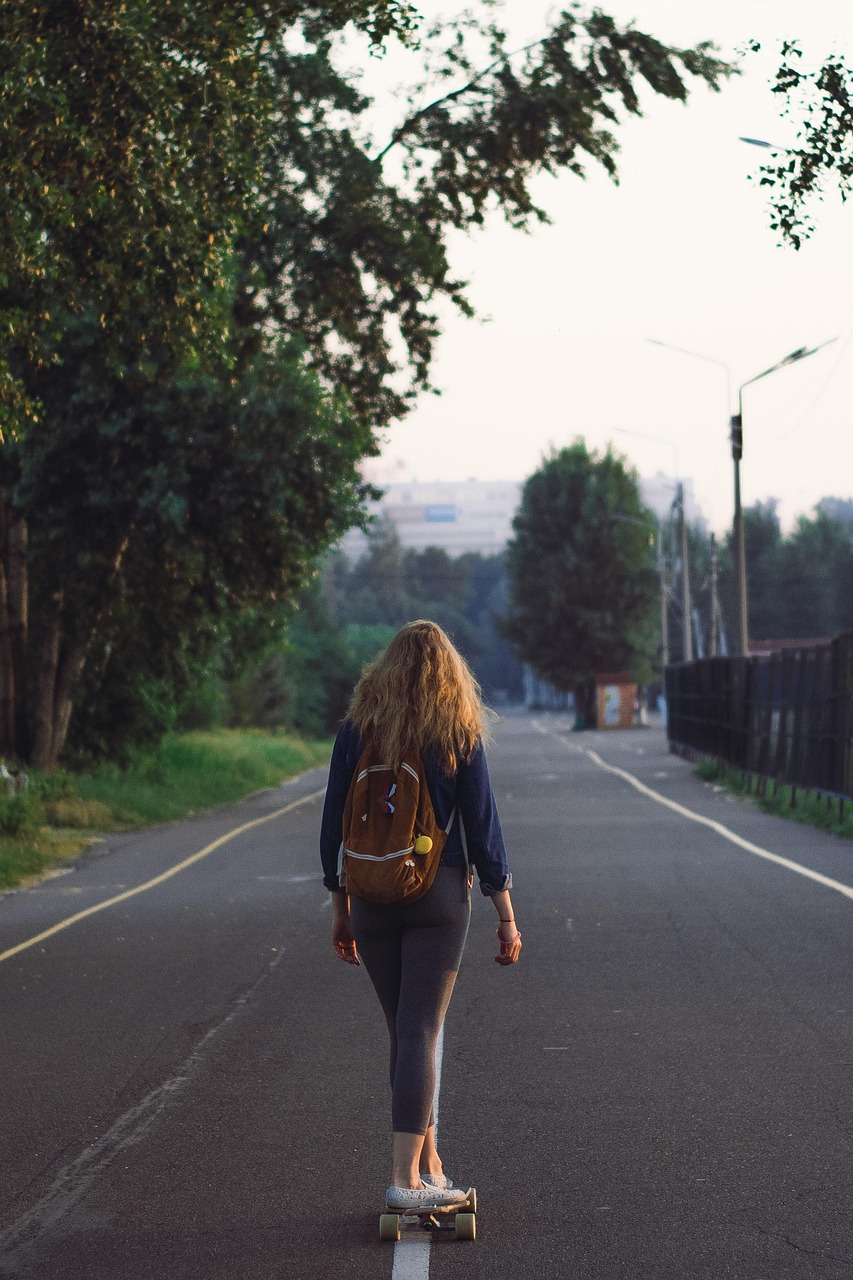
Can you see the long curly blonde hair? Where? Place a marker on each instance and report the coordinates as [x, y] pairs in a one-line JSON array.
[[420, 694]]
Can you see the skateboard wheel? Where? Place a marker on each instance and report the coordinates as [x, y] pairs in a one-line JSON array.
[[389, 1226], [472, 1200], [466, 1226]]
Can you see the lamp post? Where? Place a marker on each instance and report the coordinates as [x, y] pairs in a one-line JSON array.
[[736, 437], [801, 353]]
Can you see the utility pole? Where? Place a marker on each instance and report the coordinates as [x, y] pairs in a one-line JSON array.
[[714, 620], [738, 538], [664, 604], [739, 547], [686, 614]]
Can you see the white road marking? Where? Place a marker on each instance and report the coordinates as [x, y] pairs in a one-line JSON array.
[[165, 875], [725, 832], [411, 1257], [74, 1182], [837, 885]]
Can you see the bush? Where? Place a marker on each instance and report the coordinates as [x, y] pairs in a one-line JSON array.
[[19, 815], [55, 785], [74, 813]]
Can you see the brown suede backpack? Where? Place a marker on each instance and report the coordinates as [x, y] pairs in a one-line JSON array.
[[392, 844]]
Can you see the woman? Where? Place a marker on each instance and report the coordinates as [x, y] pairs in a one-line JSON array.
[[420, 695]]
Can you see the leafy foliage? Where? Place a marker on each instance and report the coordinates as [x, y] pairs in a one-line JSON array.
[[800, 585], [215, 289], [357, 260], [821, 98], [390, 586], [581, 571]]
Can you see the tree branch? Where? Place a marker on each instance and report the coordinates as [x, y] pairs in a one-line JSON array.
[[410, 123]]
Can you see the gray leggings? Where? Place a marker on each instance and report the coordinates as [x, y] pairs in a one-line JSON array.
[[412, 955]]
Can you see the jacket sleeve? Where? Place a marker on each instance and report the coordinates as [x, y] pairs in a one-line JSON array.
[[345, 755], [483, 832]]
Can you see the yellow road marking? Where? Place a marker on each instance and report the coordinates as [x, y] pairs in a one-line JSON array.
[[165, 875]]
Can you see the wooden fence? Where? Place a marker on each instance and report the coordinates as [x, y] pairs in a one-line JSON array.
[[787, 716]]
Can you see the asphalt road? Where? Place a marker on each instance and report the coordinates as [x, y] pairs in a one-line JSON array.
[[194, 1087]]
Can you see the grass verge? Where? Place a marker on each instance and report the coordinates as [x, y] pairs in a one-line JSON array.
[[800, 806], [63, 812]]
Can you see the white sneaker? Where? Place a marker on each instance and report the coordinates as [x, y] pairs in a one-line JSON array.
[[436, 1180], [422, 1197]]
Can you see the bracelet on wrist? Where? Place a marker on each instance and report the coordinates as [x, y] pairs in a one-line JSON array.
[[509, 945]]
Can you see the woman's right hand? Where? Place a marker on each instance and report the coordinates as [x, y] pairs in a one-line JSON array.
[[343, 942], [510, 943], [342, 938]]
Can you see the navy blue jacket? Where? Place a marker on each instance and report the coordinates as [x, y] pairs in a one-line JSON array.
[[469, 789]]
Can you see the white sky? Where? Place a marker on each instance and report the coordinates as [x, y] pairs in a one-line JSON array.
[[681, 251]]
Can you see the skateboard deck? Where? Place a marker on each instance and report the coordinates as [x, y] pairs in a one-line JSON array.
[[459, 1218]]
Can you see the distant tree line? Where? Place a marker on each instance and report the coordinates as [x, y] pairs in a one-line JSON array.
[[466, 595], [800, 583], [293, 664]]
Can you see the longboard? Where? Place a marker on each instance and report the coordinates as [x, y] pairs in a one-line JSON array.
[[460, 1218]]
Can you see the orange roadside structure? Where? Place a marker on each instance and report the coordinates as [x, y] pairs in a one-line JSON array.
[[615, 701]]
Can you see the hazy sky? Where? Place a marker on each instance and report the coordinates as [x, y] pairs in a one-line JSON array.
[[680, 251]]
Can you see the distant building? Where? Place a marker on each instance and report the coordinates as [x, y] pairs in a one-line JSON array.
[[458, 516], [470, 515]]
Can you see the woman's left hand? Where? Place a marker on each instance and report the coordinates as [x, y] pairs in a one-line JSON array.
[[343, 941]]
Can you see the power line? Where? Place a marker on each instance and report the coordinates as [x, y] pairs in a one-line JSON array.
[[827, 380]]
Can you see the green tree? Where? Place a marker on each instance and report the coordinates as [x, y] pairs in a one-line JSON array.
[[302, 678], [132, 143], [800, 585], [495, 665], [375, 592], [764, 543], [129, 181], [583, 586], [354, 247], [390, 586], [816, 575], [151, 523], [820, 99], [207, 277]]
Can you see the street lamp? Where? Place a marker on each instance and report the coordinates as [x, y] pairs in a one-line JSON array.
[[801, 353], [762, 142]]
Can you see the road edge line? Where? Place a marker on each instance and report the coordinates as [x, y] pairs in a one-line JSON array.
[[721, 830], [156, 880]]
